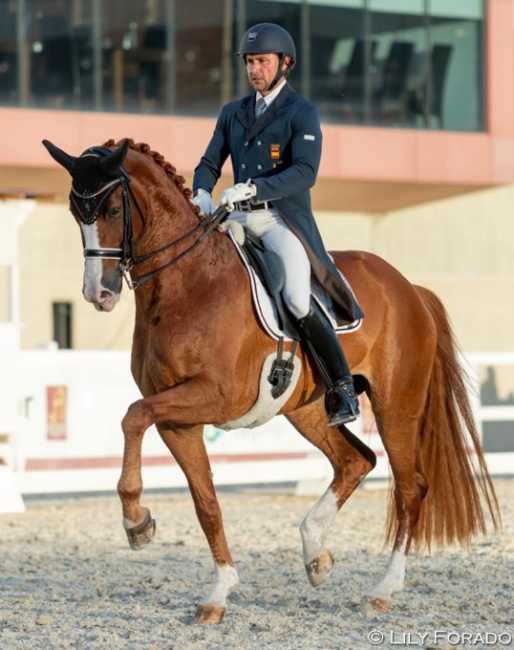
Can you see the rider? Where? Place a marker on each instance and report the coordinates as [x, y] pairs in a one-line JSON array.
[[275, 157]]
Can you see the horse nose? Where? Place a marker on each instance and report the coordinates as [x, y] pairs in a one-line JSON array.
[[105, 294], [103, 299], [98, 294]]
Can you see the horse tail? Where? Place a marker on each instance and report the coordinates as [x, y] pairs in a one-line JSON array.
[[460, 489]]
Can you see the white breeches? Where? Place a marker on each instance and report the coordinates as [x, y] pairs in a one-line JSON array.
[[276, 237]]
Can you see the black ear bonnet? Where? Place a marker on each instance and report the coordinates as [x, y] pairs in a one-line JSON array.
[[94, 182]]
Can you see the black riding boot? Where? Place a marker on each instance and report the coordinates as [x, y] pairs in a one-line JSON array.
[[341, 402]]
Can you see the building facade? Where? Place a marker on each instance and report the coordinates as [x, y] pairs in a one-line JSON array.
[[417, 106]]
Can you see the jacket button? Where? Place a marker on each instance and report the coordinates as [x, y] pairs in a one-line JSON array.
[[259, 166], [243, 166], [259, 142], [246, 143]]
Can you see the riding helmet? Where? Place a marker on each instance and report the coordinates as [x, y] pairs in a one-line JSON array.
[[266, 38]]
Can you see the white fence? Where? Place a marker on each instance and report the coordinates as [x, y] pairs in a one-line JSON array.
[[68, 437]]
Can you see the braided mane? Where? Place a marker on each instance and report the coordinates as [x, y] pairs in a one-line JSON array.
[[169, 169]]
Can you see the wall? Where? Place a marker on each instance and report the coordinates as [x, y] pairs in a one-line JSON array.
[[51, 270], [462, 248]]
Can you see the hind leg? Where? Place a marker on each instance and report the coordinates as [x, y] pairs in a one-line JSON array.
[[400, 437], [351, 461]]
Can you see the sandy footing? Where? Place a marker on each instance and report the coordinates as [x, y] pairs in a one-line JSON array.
[[69, 580]]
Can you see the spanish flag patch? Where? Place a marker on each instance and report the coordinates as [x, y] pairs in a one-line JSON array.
[[275, 151]]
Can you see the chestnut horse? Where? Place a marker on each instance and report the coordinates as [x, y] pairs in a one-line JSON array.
[[198, 351]]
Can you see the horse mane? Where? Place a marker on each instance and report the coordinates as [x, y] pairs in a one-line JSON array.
[[171, 171]]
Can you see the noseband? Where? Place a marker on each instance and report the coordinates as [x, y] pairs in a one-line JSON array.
[[88, 206]]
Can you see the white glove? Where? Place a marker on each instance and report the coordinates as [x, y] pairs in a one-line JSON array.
[[204, 201], [240, 192]]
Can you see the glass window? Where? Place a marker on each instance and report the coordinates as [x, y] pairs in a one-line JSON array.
[[339, 57], [8, 54], [400, 63], [62, 324], [51, 60], [340, 60], [497, 396], [454, 95], [395, 63], [399, 38]]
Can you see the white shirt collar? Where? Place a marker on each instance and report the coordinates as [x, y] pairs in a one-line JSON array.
[[270, 98]]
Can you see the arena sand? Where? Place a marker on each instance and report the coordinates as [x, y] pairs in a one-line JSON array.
[[69, 580]]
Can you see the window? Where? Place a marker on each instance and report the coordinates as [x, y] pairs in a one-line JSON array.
[[62, 313], [394, 63], [400, 63]]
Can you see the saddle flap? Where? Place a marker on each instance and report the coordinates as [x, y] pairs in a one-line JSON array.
[[270, 269], [266, 264]]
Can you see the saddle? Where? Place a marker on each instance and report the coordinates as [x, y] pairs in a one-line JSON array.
[[267, 278]]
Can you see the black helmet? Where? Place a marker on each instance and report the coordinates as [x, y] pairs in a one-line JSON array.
[[268, 38]]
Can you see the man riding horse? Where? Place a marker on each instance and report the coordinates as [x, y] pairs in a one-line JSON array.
[[273, 138]]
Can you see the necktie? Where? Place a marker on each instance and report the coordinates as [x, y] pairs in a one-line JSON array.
[[260, 107]]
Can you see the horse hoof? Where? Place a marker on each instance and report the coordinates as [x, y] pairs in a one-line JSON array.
[[319, 568], [209, 615], [142, 534], [376, 604]]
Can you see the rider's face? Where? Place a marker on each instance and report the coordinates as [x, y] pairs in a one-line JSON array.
[[261, 70]]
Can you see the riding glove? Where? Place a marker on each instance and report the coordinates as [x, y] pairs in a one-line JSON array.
[[240, 192], [204, 201]]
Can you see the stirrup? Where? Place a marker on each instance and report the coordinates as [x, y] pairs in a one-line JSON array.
[[341, 404]]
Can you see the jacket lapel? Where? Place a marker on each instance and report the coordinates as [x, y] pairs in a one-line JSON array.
[[246, 113]]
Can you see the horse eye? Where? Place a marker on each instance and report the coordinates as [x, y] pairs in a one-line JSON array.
[[114, 213]]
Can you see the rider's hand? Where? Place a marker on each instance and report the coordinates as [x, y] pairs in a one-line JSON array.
[[204, 201], [240, 192]]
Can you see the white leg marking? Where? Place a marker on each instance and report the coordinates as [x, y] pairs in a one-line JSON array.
[[226, 581], [394, 576], [128, 523], [315, 526]]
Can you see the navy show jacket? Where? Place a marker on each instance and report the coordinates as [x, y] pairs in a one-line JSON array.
[[280, 152]]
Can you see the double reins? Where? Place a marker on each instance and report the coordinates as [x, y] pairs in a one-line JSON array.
[[126, 255]]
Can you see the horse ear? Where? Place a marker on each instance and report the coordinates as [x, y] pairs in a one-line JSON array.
[[112, 163], [60, 156]]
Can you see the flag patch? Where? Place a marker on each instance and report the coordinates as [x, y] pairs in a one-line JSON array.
[[309, 137], [275, 151]]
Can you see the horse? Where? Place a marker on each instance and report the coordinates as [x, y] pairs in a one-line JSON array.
[[198, 354]]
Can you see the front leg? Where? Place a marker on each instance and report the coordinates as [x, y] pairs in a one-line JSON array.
[[137, 521], [188, 404], [188, 449], [176, 413]]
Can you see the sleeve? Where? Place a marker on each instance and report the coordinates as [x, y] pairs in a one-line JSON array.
[[208, 170], [301, 174]]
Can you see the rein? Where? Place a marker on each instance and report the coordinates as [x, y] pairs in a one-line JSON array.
[[210, 222], [128, 260]]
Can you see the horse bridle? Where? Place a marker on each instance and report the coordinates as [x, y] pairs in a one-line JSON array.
[[126, 254]]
